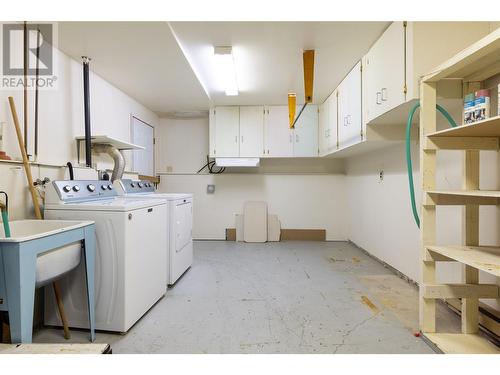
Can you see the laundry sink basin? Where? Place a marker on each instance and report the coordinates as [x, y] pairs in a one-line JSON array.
[[54, 263]]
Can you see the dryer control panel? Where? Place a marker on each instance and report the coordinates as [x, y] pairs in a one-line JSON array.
[[135, 187], [79, 190]]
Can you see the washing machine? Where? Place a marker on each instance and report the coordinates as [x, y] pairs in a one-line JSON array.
[[180, 223], [130, 270]]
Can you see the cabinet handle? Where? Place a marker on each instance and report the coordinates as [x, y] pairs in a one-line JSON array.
[[241, 139], [379, 97], [384, 94], [236, 139], [291, 139], [296, 137], [348, 119], [345, 121]]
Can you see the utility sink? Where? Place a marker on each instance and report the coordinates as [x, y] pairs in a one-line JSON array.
[[54, 263]]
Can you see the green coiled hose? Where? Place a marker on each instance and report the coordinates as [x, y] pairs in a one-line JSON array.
[[408, 154], [5, 220]]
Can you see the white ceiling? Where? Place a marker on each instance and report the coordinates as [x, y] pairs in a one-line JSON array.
[[268, 55], [144, 59]]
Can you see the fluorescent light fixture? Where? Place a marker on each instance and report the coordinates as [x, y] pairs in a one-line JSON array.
[[237, 162], [226, 71]]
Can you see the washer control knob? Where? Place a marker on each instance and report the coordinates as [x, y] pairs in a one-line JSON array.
[[140, 184], [91, 188], [103, 187], [132, 184], [110, 187], [67, 188], [76, 188]]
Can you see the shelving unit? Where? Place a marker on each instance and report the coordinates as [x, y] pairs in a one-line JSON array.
[[476, 63]]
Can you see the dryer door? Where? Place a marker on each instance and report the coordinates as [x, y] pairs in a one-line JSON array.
[[183, 217]]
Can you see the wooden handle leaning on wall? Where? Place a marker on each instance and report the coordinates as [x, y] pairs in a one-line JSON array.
[[27, 168]]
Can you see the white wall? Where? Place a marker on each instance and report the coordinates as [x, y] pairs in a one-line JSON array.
[[380, 218], [305, 194], [60, 121]]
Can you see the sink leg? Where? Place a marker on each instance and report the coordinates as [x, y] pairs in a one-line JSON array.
[[89, 251], [20, 273]]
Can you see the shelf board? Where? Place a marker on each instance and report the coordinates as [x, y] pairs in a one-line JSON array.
[[459, 343], [105, 140], [484, 258], [472, 62], [462, 197], [486, 128]]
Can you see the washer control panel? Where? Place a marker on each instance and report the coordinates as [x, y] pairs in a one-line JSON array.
[[136, 187], [73, 190]]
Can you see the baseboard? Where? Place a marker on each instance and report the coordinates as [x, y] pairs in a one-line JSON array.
[[289, 234]]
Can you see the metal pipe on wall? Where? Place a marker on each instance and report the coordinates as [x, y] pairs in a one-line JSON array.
[[86, 106]]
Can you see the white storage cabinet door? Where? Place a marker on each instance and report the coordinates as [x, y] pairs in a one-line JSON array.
[[278, 136], [306, 132], [323, 128], [384, 73], [227, 135], [332, 121], [252, 131], [350, 108], [143, 135]]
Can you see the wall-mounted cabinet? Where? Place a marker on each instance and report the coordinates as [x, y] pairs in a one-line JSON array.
[[305, 134], [349, 109], [257, 131], [406, 50], [328, 117], [252, 131]]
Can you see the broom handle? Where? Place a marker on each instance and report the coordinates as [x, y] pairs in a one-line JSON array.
[[36, 204], [27, 168]]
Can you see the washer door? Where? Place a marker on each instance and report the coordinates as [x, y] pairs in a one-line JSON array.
[[183, 217]]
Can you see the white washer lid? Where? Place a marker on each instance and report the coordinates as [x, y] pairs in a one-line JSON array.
[[165, 196], [116, 204]]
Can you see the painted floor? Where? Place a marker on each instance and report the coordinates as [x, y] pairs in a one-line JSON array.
[[286, 297]]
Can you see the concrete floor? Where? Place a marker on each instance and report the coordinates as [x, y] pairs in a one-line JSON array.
[[287, 297]]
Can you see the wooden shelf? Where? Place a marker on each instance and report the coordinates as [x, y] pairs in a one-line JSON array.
[[462, 197], [475, 63], [486, 128], [459, 343], [484, 258], [105, 140]]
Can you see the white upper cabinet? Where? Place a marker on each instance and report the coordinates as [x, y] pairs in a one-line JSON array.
[[332, 103], [404, 53], [349, 108], [277, 134], [305, 134], [384, 73], [323, 127], [252, 131], [227, 133]]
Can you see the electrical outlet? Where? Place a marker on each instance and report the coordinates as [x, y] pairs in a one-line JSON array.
[[210, 189], [380, 176]]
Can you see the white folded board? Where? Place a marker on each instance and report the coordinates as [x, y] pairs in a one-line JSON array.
[[273, 228], [255, 222]]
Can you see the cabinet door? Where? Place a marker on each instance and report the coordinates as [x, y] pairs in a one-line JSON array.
[[306, 132], [384, 73], [350, 108], [278, 136], [211, 133], [323, 127], [332, 121], [227, 124], [251, 131]]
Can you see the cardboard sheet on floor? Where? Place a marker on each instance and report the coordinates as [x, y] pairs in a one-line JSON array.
[[255, 222]]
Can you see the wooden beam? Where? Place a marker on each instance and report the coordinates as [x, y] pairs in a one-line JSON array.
[[470, 306], [308, 58], [427, 306], [292, 104], [460, 290], [462, 143]]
